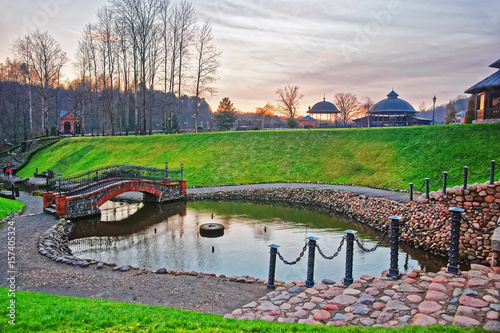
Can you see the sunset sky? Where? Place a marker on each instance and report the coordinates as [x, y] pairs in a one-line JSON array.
[[421, 48]]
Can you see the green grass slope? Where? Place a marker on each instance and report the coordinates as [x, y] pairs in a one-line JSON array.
[[46, 313], [8, 206], [388, 157]]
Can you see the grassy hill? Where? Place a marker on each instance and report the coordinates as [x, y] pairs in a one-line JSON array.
[[387, 157]]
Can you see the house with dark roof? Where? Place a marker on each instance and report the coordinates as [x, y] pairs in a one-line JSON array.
[[71, 123], [392, 111], [487, 93]]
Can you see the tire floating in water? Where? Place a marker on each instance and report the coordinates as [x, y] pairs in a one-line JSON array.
[[211, 230]]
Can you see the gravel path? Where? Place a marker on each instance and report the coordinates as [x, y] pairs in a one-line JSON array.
[[369, 192], [38, 273]]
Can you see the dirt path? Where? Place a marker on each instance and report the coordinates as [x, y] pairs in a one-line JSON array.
[[38, 273]]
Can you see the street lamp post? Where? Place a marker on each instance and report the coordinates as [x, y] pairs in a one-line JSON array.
[[434, 110]]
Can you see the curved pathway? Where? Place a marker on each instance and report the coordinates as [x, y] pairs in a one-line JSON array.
[[368, 191]]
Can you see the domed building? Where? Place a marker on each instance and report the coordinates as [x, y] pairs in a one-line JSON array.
[[327, 108], [392, 111]]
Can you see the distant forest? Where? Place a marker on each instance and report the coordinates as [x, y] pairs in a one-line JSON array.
[[136, 66]]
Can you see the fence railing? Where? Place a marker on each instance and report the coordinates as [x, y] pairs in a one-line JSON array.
[[394, 230], [465, 172], [116, 172]]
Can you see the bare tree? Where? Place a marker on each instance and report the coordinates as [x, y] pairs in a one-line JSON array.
[[264, 112], [140, 17], [288, 100], [347, 104], [45, 58], [187, 23], [207, 56]]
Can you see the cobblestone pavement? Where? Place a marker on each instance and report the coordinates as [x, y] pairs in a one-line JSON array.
[[418, 298]]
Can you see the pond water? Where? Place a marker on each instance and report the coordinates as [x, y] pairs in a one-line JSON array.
[[167, 235]]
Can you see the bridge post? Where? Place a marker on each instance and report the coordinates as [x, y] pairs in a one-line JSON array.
[[182, 171], [61, 209]]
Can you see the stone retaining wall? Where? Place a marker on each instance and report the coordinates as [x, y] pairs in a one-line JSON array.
[[418, 217]]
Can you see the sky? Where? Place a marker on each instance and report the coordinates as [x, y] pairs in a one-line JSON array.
[[419, 48]]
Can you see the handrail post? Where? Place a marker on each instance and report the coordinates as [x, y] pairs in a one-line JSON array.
[[182, 171], [310, 262], [411, 191], [166, 169], [456, 217], [393, 269], [348, 280], [445, 178], [47, 184], [466, 171], [492, 173], [427, 188], [59, 176], [272, 264]]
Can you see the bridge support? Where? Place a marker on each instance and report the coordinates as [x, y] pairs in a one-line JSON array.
[[88, 203]]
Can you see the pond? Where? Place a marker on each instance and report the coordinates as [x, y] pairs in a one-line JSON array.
[[167, 235]]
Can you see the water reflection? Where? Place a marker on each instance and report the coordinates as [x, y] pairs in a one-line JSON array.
[[168, 236]]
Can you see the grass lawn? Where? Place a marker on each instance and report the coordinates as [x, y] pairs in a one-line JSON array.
[[387, 157], [45, 313], [8, 206]]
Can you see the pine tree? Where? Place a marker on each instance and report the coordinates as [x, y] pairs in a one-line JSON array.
[[471, 111], [225, 116], [449, 114]]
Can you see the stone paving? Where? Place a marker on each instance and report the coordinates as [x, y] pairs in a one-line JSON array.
[[417, 298]]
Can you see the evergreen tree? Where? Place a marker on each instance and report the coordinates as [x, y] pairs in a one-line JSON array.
[[449, 114], [470, 115], [225, 116]]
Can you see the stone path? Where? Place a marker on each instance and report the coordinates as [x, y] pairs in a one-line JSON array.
[[418, 298]]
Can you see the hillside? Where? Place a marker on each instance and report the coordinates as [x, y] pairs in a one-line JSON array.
[[387, 157]]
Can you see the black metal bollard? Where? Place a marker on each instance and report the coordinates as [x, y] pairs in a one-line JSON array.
[[272, 264], [310, 261], [47, 189], [166, 169], [393, 269], [445, 178], [427, 188], [466, 171], [411, 191], [13, 192], [59, 176], [454, 237], [492, 173], [348, 280]]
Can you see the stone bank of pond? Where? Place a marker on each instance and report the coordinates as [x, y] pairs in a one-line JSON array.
[[168, 236]]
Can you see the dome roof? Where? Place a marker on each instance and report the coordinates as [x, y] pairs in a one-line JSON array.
[[324, 107], [392, 104]]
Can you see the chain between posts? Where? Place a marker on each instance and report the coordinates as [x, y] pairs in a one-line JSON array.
[[467, 219], [376, 245], [439, 182], [439, 226], [296, 260], [461, 172], [480, 173], [336, 252], [421, 187]]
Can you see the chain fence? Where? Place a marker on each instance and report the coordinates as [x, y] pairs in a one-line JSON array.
[[433, 230], [333, 255], [296, 260], [467, 219], [376, 245]]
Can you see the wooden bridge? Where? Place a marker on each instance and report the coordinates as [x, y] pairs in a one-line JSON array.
[[82, 195]]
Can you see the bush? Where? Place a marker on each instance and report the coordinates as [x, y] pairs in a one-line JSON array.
[[291, 123]]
